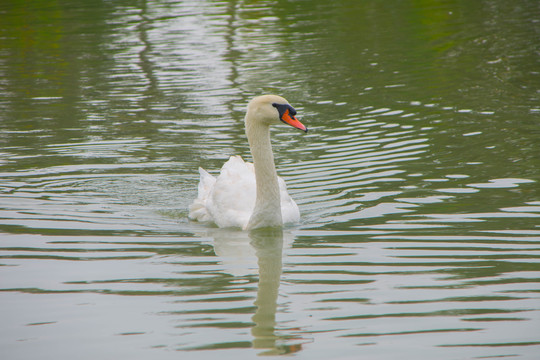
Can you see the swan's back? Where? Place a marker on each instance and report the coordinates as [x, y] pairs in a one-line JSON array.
[[229, 199]]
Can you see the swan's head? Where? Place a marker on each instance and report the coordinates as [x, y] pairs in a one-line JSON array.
[[271, 110]]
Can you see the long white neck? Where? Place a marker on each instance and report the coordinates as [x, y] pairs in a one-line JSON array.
[[267, 211]]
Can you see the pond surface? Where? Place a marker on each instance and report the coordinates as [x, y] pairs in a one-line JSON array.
[[418, 181]]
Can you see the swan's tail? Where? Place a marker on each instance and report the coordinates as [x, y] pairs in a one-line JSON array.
[[198, 210]]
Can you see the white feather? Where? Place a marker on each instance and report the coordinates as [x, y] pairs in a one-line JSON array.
[[229, 199]]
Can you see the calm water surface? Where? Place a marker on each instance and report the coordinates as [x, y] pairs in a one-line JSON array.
[[418, 182]]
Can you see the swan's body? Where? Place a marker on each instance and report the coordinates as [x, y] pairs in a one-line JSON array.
[[229, 199], [249, 195]]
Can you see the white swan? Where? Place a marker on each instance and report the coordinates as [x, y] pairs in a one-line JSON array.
[[249, 195]]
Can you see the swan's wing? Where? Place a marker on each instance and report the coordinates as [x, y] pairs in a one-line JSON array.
[[229, 199], [233, 195], [206, 183], [198, 209], [290, 212]]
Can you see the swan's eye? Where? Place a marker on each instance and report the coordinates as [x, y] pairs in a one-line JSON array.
[[283, 107]]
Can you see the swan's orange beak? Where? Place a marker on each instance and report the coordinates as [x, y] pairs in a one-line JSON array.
[[290, 119], [287, 115]]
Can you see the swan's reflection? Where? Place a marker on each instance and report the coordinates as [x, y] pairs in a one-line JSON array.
[[258, 251], [268, 245]]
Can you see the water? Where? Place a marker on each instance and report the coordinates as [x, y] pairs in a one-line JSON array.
[[417, 183]]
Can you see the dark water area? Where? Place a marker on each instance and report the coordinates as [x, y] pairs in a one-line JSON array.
[[417, 181]]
